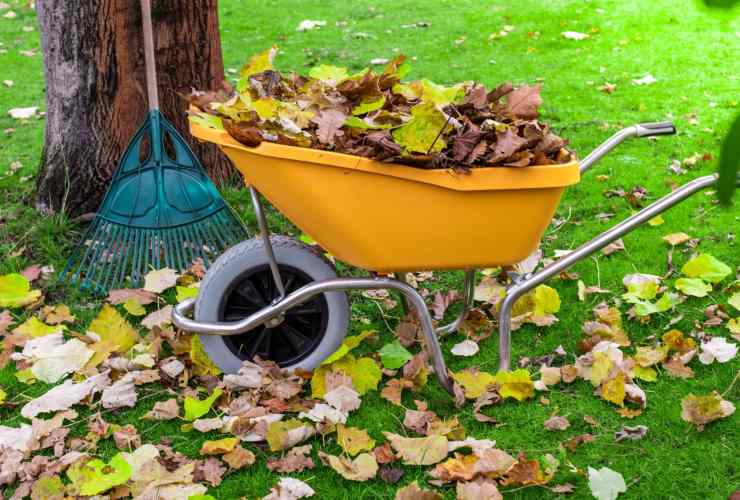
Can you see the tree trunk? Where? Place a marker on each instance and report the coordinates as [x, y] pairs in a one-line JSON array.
[[96, 88]]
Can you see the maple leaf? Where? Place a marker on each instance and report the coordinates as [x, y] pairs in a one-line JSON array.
[[110, 325], [523, 102], [507, 143]]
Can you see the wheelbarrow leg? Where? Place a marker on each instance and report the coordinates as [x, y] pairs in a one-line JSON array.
[[521, 287]]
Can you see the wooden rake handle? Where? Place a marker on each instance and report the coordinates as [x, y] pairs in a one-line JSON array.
[[151, 66]]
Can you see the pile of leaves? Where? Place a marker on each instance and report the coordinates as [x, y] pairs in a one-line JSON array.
[[376, 115]]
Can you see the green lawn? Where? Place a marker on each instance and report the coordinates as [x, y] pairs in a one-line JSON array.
[[694, 57]]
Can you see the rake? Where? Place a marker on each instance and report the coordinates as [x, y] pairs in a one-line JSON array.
[[162, 211]]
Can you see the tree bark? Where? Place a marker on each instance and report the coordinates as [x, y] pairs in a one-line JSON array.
[[96, 88]]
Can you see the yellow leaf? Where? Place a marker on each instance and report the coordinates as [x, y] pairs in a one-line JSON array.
[[354, 440], [546, 300], [473, 382], [423, 132], [516, 384], [364, 372], [15, 291], [646, 374], [656, 221], [647, 356], [675, 339], [613, 390], [259, 62], [33, 327], [218, 447], [600, 368], [186, 292], [110, 325], [134, 307], [202, 364]]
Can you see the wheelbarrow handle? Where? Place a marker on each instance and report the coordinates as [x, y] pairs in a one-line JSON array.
[[639, 130]]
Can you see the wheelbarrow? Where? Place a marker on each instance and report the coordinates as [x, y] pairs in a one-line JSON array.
[[277, 298]]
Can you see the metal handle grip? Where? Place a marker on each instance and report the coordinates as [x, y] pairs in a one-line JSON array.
[[658, 128], [639, 130]]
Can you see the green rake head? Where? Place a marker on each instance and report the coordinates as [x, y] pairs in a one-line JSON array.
[[162, 211]]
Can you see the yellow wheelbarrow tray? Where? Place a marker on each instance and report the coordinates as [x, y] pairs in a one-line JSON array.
[[388, 218], [393, 218]]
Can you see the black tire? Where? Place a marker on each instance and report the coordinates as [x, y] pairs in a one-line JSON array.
[[239, 281]]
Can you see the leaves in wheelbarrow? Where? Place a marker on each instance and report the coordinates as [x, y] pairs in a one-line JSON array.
[[373, 114]]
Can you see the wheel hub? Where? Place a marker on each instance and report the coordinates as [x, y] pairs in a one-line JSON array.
[[285, 339]]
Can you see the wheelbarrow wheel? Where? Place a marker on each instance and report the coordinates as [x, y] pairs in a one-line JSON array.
[[239, 283]]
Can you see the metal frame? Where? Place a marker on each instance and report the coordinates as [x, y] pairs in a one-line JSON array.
[[412, 298]]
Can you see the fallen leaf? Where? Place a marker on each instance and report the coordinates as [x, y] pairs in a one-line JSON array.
[[605, 484], [95, 476], [160, 280], [701, 410], [419, 451], [290, 489], [295, 460], [111, 326], [238, 458], [675, 239], [557, 423], [218, 447], [645, 80], [394, 355], [64, 396], [362, 468], [164, 410], [414, 492], [615, 246], [15, 291], [158, 318], [121, 394], [23, 113], [196, 408], [354, 440], [632, 433], [717, 348], [480, 489], [465, 348], [574, 35], [706, 267]]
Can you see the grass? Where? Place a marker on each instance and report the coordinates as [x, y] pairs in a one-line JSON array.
[[693, 55]]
